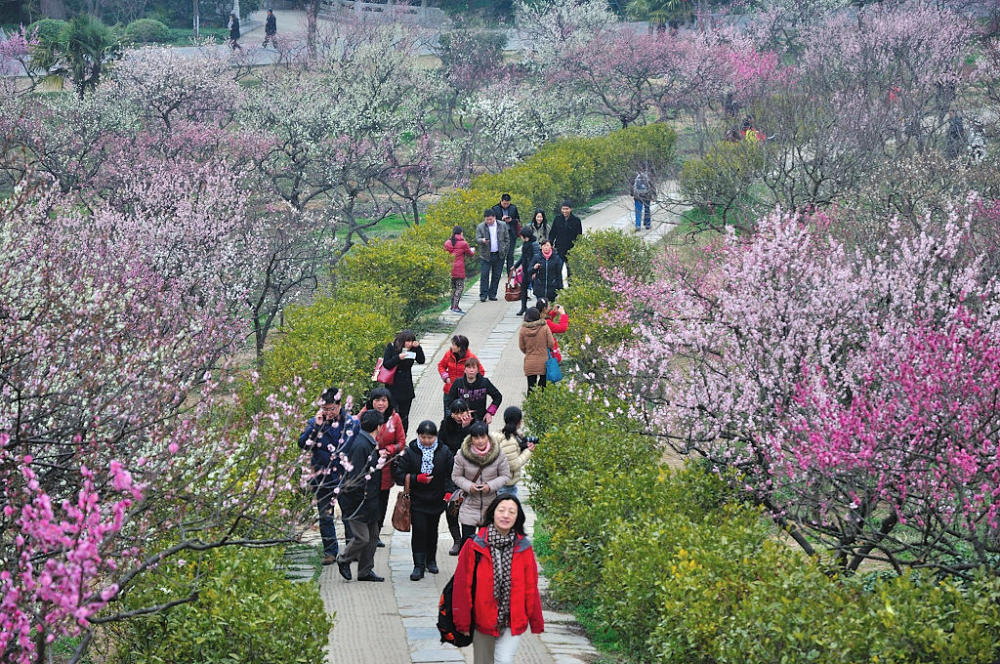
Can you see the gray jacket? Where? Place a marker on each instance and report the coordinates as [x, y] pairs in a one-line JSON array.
[[483, 233]]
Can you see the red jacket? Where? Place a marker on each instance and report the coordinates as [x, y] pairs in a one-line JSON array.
[[455, 368], [525, 602], [392, 438], [459, 250], [557, 328]]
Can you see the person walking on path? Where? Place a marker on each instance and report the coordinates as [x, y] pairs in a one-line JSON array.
[[540, 225], [515, 447], [546, 272], [327, 436], [358, 499], [270, 30], [642, 197], [459, 249], [455, 428], [480, 471], [507, 601], [473, 387], [556, 318], [492, 242], [427, 464], [452, 365], [566, 228], [530, 250], [400, 355], [234, 32], [507, 213], [391, 439], [535, 340]]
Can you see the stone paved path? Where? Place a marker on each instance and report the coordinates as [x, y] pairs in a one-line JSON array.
[[394, 622]]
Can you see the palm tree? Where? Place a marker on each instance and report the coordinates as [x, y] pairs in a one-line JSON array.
[[85, 44]]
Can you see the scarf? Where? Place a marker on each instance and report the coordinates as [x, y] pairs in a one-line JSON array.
[[502, 550], [427, 461]]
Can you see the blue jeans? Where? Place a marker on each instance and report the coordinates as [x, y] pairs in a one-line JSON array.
[[490, 270], [327, 526], [639, 217]]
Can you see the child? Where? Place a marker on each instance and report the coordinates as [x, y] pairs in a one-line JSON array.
[[459, 248]]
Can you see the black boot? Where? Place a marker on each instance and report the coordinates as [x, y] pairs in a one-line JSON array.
[[432, 565], [456, 536], [418, 566]]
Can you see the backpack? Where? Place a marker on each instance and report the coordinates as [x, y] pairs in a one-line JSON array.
[[446, 613], [641, 184]]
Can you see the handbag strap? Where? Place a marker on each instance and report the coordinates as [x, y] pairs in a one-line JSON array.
[[406, 484]]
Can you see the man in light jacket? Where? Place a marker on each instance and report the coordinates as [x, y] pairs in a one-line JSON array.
[[492, 241]]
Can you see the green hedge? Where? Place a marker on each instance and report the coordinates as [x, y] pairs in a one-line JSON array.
[[678, 571], [246, 612], [147, 31]]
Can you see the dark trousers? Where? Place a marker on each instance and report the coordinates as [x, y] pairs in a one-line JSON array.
[[327, 526], [490, 270], [457, 288], [424, 534], [383, 504], [468, 532], [535, 380], [524, 292], [403, 408], [361, 548], [510, 247], [453, 526]]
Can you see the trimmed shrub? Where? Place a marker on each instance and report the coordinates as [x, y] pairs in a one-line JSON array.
[[607, 250], [330, 342], [147, 31], [418, 271], [246, 612]]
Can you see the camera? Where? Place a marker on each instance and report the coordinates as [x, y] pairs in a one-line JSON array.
[[523, 442]]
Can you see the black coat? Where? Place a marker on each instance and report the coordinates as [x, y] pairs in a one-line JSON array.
[[425, 498], [547, 279], [530, 251], [475, 395], [358, 497], [271, 27], [514, 225], [402, 385], [565, 231], [234, 29], [451, 434]]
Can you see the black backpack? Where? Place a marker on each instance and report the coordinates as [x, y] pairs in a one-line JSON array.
[[446, 612]]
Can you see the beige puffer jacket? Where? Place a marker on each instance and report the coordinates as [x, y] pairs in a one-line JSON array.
[[496, 473], [516, 457]]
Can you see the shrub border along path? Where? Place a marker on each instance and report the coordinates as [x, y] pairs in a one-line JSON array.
[[394, 622]]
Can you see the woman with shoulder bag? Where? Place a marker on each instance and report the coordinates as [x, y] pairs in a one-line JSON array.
[[400, 355], [480, 471], [392, 439], [426, 464], [507, 601]]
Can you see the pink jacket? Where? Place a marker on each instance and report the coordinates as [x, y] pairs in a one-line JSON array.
[[459, 250]]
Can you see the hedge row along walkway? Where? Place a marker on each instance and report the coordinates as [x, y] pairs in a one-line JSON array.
[[394, 622]]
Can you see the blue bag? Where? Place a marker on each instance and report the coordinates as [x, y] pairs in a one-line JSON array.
[[553, 374]]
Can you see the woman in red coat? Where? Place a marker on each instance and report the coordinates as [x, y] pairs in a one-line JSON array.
[[392, 439], [557, 320], [459, 249], [507, 600]]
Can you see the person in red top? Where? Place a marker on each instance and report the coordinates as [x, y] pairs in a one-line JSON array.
[[459, 249], [452, 365], [506, 598], [392, 438], [556, 318]]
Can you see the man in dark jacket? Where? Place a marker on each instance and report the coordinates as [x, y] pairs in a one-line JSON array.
[[270, 30], [327, 436], [565, 230], [507, 213], [358, 499]]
